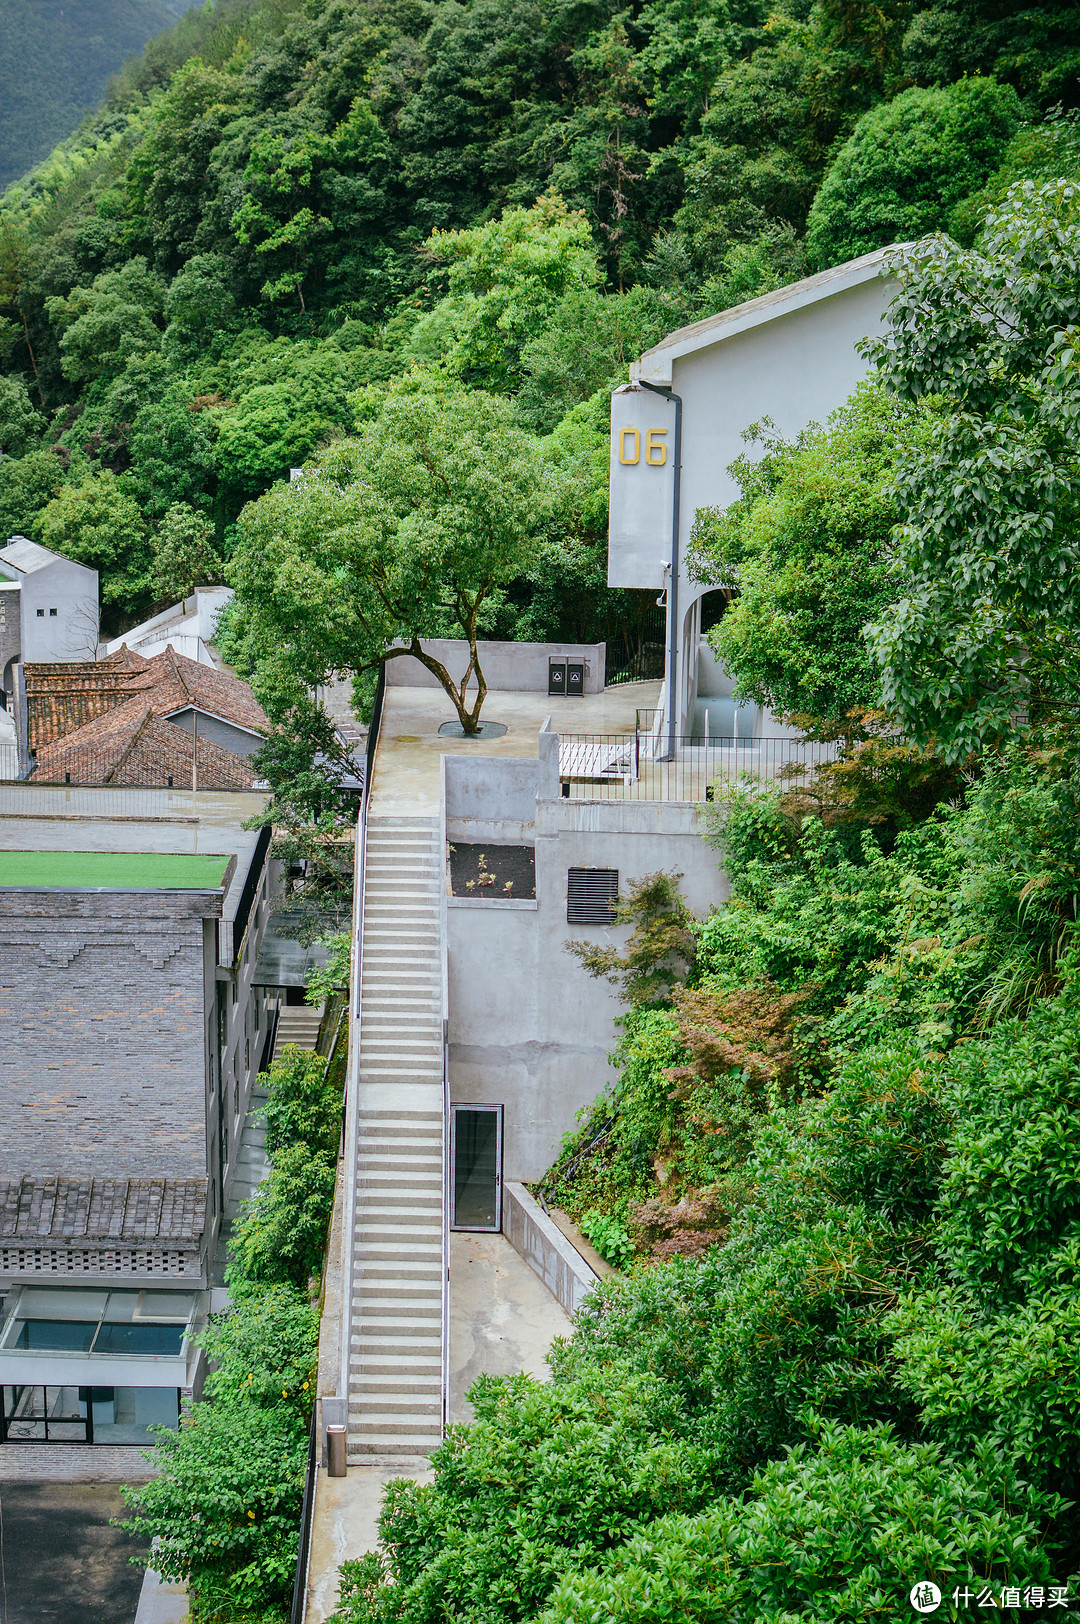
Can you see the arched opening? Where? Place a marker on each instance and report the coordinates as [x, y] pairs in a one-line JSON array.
[[713, 607]]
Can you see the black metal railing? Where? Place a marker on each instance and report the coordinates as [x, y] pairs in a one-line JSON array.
[[635, 652], [251, 884], [299, 1599], [299, 1595], [647, 766]]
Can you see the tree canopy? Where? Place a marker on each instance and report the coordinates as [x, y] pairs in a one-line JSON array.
[[982, 640], [407, 531], [807, 552]]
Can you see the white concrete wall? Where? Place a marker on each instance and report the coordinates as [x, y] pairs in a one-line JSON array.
[[795, 368], [518, 667], [528, 1027], [72, 632]]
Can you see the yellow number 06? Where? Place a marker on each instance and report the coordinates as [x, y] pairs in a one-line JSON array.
[[630, 447]]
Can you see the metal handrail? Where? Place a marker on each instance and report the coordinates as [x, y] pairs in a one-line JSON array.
[[350, 1130], [638, 766], [303, 1555]]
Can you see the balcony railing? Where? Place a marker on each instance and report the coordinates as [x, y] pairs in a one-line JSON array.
[[643, 765]]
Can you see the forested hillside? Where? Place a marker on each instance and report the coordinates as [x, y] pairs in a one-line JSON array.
[[55, 62], [283, 205]]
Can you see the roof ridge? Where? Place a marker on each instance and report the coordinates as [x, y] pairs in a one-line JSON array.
[[147, 712]]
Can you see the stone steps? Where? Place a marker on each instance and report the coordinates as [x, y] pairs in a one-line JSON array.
[[396, 1331]]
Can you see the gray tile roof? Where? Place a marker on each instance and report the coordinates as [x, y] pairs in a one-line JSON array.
[[166, 1210]]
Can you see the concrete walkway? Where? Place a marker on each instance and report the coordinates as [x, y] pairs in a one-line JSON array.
[[502, 1316], [502, 1319]]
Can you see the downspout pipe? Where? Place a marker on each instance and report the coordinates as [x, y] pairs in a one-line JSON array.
[[673, 573]]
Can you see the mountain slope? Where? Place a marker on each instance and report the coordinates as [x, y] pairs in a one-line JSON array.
[[56, 58]]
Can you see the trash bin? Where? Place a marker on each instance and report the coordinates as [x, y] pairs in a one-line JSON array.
[[335, 1451]]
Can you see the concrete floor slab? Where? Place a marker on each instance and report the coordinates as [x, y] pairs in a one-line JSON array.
[[502, 1317], [407, 772]]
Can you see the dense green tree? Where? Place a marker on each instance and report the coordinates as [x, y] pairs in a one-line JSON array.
[[807, 551], [184, 555], [27, 485], [224, 1506], [20, 424], [906, 164], [980, 645], [93, 521], [404, 533], [102, 326]]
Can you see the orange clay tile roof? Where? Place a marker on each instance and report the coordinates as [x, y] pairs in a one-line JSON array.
[[132, 746], [64, 697]]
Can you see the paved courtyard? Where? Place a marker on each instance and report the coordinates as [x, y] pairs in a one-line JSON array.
[[60, 1561]]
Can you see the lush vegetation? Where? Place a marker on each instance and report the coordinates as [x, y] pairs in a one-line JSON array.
[[225, 1505], [284, 206], [55, 62], [837, 1170]]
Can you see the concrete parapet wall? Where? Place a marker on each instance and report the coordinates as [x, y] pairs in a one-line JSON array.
[[521, 668], [490, 788], [545, 1248]]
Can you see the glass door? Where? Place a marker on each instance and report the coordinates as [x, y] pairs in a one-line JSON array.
[[476, 1167]]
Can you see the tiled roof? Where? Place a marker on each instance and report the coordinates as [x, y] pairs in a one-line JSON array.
[[63, 697], [102, 1209], [131, 746]]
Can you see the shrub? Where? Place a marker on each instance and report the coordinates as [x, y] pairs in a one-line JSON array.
[[281, 1233], [838, 1531], [225, 1505], [609, 1237], [906, 164]]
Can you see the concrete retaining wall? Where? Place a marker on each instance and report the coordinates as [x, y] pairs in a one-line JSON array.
[[545, 1248], [519, 667]]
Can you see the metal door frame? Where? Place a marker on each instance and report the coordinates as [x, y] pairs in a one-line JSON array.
[[497, 1112]]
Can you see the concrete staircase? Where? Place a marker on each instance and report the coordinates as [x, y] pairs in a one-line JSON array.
[[296, 1023], [396, 1329]]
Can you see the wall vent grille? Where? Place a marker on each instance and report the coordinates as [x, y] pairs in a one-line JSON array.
[[591, 895]]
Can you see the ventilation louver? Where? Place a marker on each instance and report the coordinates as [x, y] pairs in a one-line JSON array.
[[591, 895]]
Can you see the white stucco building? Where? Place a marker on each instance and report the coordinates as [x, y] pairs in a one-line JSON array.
[[791, 356], [48, 607]]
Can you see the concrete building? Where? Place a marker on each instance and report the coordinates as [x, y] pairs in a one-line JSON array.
[[791, 357], [188, 627], [529, 1031], [134, 1025], [48, 608]]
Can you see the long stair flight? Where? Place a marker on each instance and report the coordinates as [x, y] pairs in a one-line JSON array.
[[397, 1329]]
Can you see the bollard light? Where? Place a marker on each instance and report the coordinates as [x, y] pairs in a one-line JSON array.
[[335, 1451]]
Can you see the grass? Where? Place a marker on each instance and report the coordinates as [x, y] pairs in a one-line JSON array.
[[114, 871]]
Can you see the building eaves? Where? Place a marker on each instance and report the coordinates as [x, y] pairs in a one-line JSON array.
[[654, 365], [70, 1209]]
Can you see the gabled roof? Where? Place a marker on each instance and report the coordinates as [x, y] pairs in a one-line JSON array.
[[655, 364], [63, 697], [27, 556], [130, 745]]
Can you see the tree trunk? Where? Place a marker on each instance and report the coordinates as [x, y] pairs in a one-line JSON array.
[[468, 715]]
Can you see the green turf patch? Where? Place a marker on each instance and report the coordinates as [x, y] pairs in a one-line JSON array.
[[115, 871]]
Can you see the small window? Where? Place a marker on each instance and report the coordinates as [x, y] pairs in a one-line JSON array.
[[52, 611], [591, 895], [41, 614]]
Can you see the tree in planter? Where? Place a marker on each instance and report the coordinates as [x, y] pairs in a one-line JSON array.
[[402, 533]]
